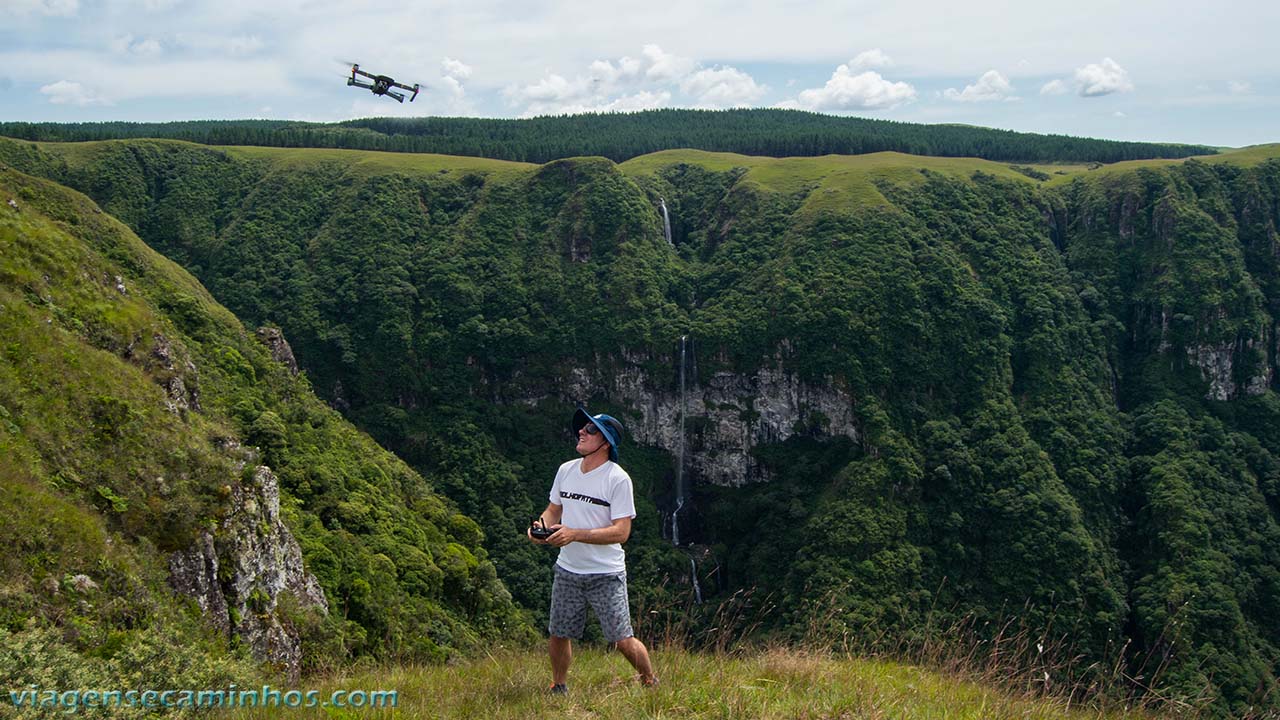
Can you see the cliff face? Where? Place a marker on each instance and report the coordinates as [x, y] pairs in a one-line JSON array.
[[726, 417], [239, 573], [1186, 259]]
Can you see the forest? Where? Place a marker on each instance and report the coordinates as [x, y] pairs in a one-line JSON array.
[[622, 136]]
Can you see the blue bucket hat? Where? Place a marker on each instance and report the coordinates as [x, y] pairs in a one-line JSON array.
[[608, 425]]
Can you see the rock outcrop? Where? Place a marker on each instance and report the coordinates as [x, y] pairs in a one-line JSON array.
[[239, 573], [177, 374], [273, 338]]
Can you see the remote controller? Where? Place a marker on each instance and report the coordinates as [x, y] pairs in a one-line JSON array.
[[539, 530]]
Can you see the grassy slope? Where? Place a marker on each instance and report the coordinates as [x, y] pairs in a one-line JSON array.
[[776, 684], [100, 479], [851, 180], [373, 162], [835, 180], [366, 161], [848, 180], [1242, 157]]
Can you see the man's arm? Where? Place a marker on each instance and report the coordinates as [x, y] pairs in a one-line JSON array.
[[553, 513], [618, 532]]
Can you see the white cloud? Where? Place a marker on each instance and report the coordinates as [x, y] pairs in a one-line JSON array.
[[1102, 78], [449, 90], [654, 65], [639, 101], [65, 92], [722, 87], [628, 84], [1239, 87], [664, 66], [456, 69], [1054, 87], [1093, 80], [448, 97], [868, 59], [643, 100], [991, 86], [604, 71], [452, 86], [847, 91], [1119, 114], [52, 8], [551, 88]]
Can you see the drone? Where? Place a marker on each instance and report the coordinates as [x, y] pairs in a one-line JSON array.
[[381, 84]]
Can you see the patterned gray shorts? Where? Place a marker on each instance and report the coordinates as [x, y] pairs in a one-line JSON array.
[[607, 595]]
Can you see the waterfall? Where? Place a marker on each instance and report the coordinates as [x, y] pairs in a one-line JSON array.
[[681, 491], [666, 224], [680, 494]]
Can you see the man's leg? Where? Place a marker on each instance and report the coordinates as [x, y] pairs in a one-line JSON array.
[[608, 597], [561, 651], [638, 655], [568, 617]]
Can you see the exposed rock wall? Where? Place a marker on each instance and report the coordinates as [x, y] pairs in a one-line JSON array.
[[1215, 363], [1221, 363], [238, 573], [725, 417], [281, 352], [177, 374]]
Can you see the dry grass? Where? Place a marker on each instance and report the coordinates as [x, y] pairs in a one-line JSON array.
[[771, 683]]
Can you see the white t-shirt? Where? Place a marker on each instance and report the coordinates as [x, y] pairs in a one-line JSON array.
[[592, 500]]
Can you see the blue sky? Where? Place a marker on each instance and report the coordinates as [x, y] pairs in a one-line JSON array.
[[1169, 71]]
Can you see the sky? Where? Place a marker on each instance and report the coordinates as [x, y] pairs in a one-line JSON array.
[[1171, 71]]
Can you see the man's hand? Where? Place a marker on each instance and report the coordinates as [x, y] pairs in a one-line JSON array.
[[562, 535], [529, 533]]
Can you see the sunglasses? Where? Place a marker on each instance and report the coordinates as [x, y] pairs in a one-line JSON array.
[[591, 429]]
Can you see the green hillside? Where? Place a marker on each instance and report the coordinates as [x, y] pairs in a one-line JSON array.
[[133, 412], [925, 393], [622, 136]]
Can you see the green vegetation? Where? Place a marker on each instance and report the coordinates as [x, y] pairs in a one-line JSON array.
[[123, 388], [1063, 391], [621, 136], [774, 684]]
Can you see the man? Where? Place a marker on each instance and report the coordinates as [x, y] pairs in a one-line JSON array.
[[591, 510]]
